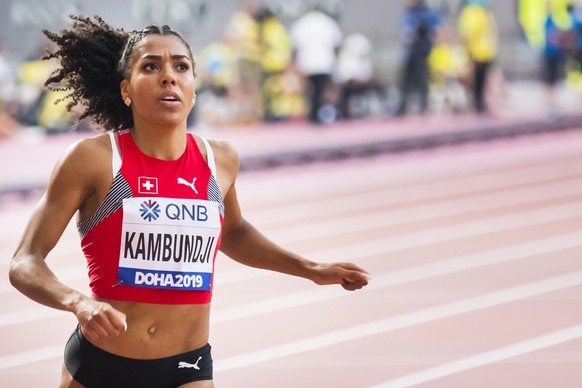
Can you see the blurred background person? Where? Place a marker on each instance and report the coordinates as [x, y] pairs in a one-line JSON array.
[[554, 58], [575, 12], [316, 39], [560, 40], [275, 51], [215, 68], [448, 74], [35, 104], [285, 96], [355, 75], [242, 35], [574, 67], [419, 24], [478, 32]]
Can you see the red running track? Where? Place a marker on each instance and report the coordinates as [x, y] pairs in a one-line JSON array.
[[475, 257]]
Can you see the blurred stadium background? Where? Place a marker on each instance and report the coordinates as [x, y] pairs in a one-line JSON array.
[[474, 249], [203, 21]]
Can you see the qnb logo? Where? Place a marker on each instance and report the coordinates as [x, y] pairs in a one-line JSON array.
[[150, 210]]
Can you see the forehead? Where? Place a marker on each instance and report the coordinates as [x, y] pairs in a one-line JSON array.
[[160, 45]]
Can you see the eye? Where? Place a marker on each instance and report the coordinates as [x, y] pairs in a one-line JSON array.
[[150, 66], [183, 66]]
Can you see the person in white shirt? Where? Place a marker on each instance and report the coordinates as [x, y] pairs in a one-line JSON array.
[[316, 40]]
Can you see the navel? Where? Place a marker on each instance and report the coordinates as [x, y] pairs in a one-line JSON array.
[[152, 330]]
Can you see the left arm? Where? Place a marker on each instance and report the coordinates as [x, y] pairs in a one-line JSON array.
[[242, 242]]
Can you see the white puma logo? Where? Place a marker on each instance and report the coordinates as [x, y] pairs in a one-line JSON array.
[[183, 181], [183, 364]]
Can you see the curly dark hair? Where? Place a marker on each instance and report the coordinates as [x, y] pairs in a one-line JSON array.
[[94, 58]]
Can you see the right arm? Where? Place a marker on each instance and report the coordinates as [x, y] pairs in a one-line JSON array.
[[72, 183]]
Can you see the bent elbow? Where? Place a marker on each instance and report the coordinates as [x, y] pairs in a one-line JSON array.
[[16, 273], [13, 272]]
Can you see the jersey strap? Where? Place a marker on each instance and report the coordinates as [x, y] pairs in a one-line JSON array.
[[209, 156], [115, 155]]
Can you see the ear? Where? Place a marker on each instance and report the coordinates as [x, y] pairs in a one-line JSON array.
[[124, 86], [194, 99]]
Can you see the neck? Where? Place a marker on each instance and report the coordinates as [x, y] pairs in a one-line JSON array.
[[165, 143]]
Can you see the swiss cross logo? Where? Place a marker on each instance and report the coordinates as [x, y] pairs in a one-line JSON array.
[[147, 185]]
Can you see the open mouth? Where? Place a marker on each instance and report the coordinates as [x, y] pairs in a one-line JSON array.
[[169, 97]]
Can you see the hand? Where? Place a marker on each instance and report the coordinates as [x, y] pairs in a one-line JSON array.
[[100, 320], [350, 276]]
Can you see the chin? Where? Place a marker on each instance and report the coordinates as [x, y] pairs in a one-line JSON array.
[[169, 121]]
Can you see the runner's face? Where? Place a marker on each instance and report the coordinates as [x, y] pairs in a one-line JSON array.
[[161, 82]]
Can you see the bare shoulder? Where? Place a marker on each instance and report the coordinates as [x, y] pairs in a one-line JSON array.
[[79, 174], [226, 157], [85, 160], [224, 150], [89, 149]]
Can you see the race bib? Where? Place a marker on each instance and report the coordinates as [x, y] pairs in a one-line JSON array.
[[168, 243]]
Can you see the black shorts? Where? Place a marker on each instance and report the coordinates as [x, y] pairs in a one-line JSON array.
[[96, 368]]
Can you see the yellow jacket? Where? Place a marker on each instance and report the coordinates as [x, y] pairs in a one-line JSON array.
[[276, 46], [478, 30]]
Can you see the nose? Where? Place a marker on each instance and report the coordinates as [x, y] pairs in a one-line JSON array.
[[168, 78]]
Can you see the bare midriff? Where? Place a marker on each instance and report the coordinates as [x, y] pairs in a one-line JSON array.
[[158, 330]]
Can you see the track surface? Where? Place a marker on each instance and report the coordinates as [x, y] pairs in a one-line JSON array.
[[475, 257]]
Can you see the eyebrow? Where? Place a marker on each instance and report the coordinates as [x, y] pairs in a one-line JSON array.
[[159, 57]]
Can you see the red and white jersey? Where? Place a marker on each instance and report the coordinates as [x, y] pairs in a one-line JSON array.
[[155, 237]]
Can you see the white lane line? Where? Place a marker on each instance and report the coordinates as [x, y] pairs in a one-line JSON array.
[[453, 232], [441, 185], [399, 242], [68, 245], [403, 276], [320, 294], [25, 358], [430, 314], [404, 196], [401, 195], [29, 315], [531, 345], [438, 192], [425, 212], [79, 272]]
